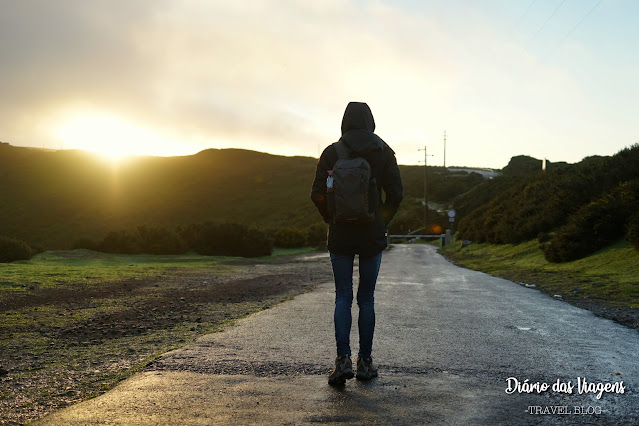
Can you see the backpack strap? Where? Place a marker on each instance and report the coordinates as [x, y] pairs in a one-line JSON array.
[[342, 150]]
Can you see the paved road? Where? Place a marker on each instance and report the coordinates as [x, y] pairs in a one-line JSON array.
[[447, 341]]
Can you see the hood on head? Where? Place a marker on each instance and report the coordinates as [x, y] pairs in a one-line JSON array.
[[358, 116]]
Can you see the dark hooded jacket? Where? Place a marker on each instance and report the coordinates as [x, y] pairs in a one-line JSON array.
[[358, 126]]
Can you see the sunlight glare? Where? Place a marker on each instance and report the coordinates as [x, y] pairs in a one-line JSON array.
[[112, 137]]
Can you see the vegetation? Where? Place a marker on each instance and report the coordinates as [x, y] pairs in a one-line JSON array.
[[246, 203], [228, 239], [52, 199], [584, 206], [442, 188], [632, 234], [74, 199], [12, 249], [595, 225]]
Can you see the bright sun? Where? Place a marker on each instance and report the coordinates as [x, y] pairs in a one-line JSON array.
[[112, 137]]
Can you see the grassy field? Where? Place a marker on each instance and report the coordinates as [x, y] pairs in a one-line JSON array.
[[608, 278], [75, 323], [84, 268], [55, 269]]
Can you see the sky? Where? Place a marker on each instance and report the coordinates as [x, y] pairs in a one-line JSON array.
[[551, 79]]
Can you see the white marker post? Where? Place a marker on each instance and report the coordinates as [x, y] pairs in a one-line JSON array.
[[451, 218]]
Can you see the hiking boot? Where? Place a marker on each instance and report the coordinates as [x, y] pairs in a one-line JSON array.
[[343, 370], [365, 368]]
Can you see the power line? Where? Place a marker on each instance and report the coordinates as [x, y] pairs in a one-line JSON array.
[[582, 19], [549, 18], [426, 155], [444, 148], [527, 10]]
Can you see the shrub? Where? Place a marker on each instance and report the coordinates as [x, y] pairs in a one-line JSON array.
[[122, 242], [290, 238], [86, 243], [543, 237], [316, 235], [595, 225], [632, 231], [12, 249], [159, 241], [229, 239]]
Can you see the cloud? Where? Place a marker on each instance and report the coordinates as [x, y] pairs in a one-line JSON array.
[[275, 76]]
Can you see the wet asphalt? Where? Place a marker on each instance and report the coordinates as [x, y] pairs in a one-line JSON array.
[[453, 347]]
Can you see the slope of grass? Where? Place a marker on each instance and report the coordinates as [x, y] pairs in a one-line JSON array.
[[610, 276], [83, 268]]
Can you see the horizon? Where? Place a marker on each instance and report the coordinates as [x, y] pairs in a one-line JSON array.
[[547, 79], [124, 158]]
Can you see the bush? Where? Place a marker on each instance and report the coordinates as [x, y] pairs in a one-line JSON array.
[[12, 249], [228, 239], [159, 241], [595, 225], [121, 242], [86, 243], [316, 235], [632, 231], [543, 237], [526, 204], [290, 238], [148, 240]]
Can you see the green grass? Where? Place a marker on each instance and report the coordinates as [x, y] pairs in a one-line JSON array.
[[53, 269], [290, 251], [611, 275]]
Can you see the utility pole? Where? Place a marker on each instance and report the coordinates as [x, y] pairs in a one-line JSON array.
[[444, 148], [425, 199]]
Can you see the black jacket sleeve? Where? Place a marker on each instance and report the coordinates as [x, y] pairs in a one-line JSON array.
[[392, 186], [318, 191]]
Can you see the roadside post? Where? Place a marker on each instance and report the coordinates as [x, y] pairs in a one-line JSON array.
[[449, 232]]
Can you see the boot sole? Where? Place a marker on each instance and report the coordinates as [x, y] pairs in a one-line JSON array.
[[365, 376], [341, 379]]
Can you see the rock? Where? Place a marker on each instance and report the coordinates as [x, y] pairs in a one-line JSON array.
[[3, 372]]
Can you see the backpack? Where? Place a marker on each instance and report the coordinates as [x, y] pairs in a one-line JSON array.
[[351, 189]]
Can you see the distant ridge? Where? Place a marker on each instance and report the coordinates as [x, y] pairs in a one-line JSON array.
[[54, 198]]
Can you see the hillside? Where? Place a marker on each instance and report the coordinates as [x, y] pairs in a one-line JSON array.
[[54, 198], [574, 209]]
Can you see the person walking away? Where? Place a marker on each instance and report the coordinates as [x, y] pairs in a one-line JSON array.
[[364, 235]]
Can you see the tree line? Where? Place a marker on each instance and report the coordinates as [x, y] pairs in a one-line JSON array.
[[211, 239]]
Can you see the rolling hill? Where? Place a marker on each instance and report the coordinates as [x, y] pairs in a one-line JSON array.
[[54, 198]]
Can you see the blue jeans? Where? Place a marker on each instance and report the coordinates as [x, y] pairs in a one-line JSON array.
[[343, 274]]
